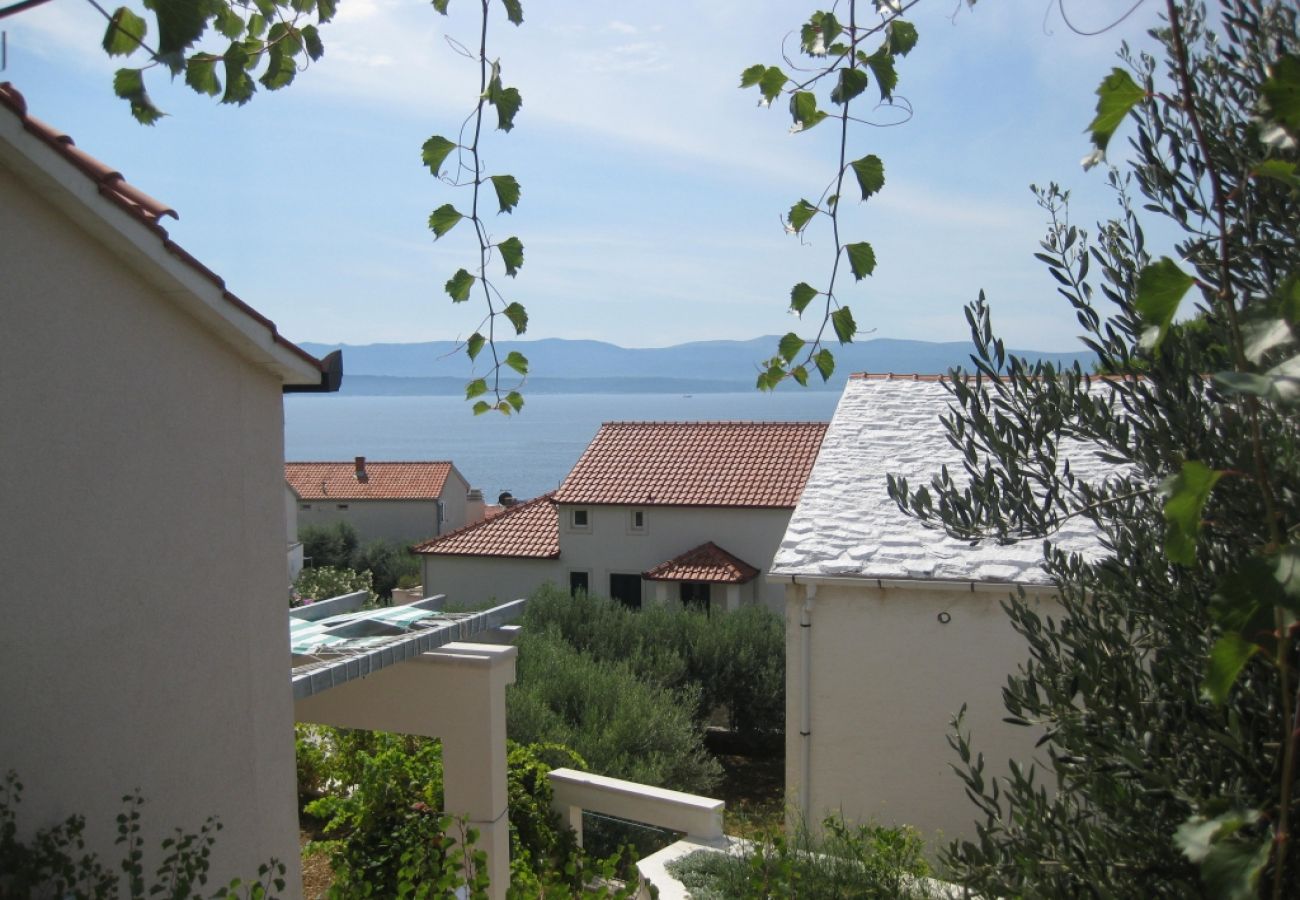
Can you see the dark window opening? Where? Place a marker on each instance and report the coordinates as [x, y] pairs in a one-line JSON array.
[[577, 582], [626, 589], [696, 593]]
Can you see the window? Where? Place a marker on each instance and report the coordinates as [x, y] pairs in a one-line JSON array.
[[626, 589], [636, 521], [342, 506], [578, 582], [304, 506], [579, 520]]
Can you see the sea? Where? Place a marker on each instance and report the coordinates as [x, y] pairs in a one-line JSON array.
[[526, 454]]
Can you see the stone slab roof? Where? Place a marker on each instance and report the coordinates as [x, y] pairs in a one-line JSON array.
[[730, 464], [846, 525], [707, 562], [366, 480], [529, 530]]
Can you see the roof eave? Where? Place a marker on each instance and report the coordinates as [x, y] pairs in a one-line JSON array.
[[153, 256]]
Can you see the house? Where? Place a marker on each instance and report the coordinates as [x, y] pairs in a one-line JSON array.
[[686, 512], [144, 639], [399, 501], [892, 626]]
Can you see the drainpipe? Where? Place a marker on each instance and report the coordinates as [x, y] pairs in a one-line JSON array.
[[805, 702]]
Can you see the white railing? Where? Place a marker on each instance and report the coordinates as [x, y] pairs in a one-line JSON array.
[[572, 792]]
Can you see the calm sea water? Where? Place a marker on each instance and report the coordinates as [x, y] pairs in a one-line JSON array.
[[527, 454]]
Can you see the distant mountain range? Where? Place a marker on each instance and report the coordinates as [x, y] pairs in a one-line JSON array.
[[561, 366]]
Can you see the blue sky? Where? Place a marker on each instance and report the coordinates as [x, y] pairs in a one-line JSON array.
[[652, 185]]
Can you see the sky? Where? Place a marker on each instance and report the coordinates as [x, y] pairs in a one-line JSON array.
[[652, 186]]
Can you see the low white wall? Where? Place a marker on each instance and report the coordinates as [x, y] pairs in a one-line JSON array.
[[407, 521], [887, 676]]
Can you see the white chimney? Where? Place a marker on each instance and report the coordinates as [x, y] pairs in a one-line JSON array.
[[474, 506]]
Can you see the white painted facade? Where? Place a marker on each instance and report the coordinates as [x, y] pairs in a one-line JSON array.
[[611, 544], [471, 581], [142, 545], [891, 626], [405, 521]]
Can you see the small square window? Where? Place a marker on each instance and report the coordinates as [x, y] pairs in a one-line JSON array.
[[342, 506], [636, 521], [304, 506], [580, 519]]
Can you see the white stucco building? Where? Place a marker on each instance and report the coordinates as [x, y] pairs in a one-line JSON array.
[[652, 512], [891, 626], [142, 546], [400, 501]]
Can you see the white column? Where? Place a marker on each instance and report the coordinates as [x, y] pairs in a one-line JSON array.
[[456, 693]]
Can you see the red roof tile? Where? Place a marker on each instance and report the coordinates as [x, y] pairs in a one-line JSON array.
[[707, 562], [736, 464], [530, 529], [382, 481], [134, 202]]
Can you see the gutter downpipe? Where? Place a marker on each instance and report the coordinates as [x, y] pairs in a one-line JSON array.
[[805, 701]]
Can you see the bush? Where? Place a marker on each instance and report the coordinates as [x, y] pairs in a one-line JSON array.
[[622, 725], [388, 562], [322, 584], [330, 545], [853, 863], [733, 660]]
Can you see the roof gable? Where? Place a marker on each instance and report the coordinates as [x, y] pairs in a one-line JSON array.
[[528, 530], [846, 525], [730, 464], [707, 562], [127, 221], [366, 480]]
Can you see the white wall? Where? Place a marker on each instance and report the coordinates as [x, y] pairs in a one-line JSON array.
[[887, 677], [144, 640], [610, 545], [473, 580], [406, 521]]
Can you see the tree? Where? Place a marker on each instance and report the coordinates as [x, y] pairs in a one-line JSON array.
[[1167, 692]]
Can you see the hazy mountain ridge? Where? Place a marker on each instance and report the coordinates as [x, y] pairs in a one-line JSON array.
[[578, 366]]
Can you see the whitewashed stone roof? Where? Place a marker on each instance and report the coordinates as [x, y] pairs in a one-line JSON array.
[[846, 525]]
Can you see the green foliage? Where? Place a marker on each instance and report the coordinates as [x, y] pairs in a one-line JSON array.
[[735, 660], [850, 862], [844, 69], [468, 173], [55, 863], [329, 545], [327, 582], [381, 797], [180, 27], [1165, 693], [387, 562], [621, 725]]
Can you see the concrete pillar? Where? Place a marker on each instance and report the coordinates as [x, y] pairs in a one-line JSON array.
[[456, 693], [733, 597], [661, 591]]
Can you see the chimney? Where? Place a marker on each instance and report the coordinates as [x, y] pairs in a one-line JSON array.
[[474, 506], [361, 469]]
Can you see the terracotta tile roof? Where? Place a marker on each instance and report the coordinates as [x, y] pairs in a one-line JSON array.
[[138, 205], [382, 481], [707, 562], [736, 464], [530, 529]]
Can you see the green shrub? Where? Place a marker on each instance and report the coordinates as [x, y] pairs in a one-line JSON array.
[[388, 562], [330, 545], [848, 862], [735, 660], [322, 584], [624, 726]]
